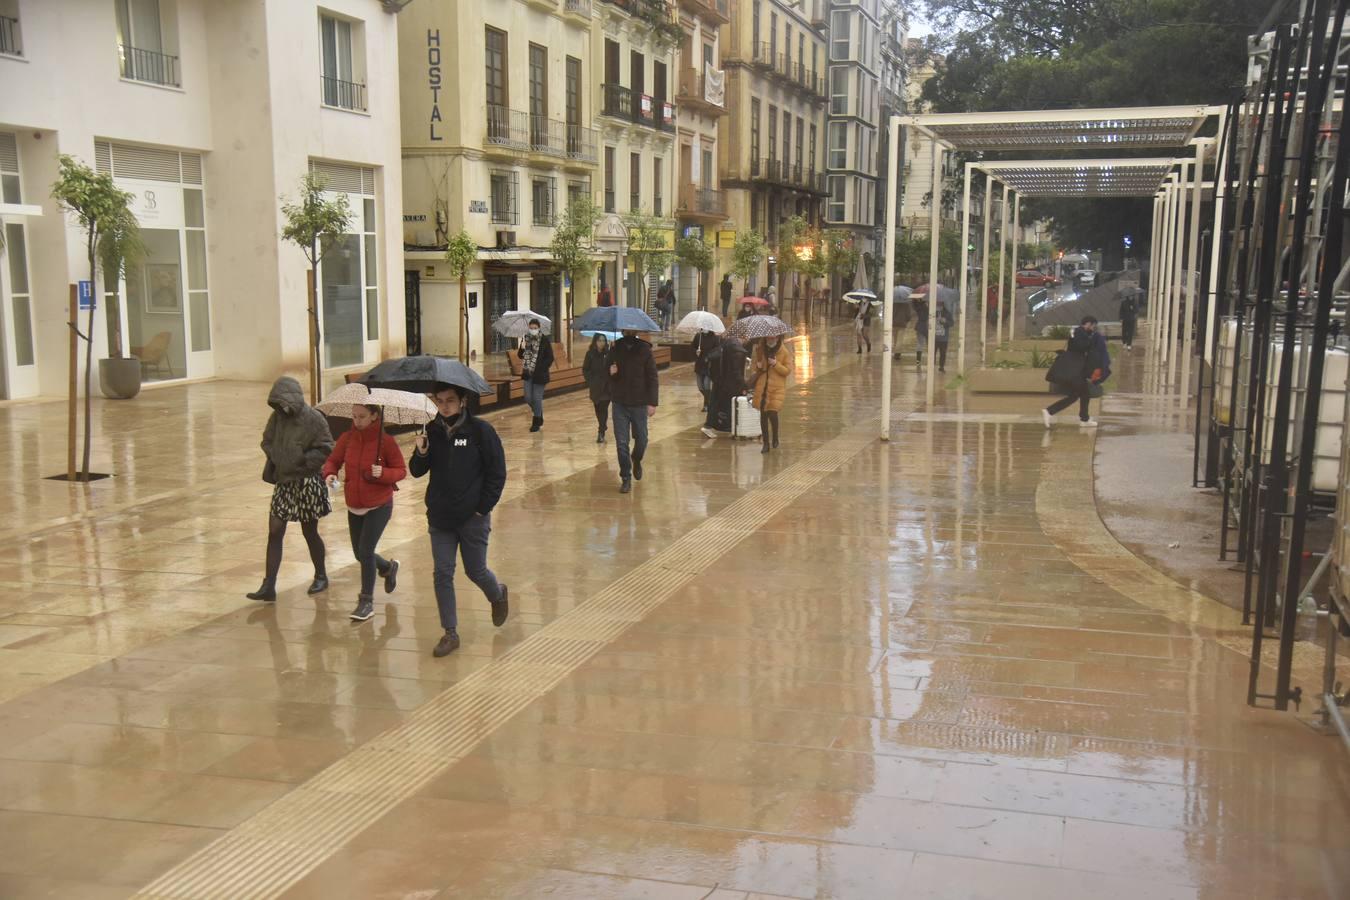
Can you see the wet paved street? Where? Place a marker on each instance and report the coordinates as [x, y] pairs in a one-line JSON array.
[[847, 669]]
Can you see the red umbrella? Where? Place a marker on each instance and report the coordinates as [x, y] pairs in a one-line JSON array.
[[755, 301]]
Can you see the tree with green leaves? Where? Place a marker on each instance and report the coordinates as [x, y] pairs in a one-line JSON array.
[[112, 237], [746, 255], [842, 255], [460, 253], [697, 253], [573, 250], [649, 246], [315, 224]]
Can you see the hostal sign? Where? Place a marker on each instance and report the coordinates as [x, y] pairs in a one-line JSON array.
[[434, 80]]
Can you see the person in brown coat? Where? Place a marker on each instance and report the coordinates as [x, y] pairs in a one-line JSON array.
[[770, 365]]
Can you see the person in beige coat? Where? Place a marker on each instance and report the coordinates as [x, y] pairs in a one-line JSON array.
[[770, 365]]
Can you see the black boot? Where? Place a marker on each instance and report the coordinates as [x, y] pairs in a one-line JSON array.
[[536, 423], [319, 585], [600, 436], [267, 593]]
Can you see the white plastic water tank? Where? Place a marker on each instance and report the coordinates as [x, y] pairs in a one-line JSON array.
[[1224, 365], [1331, 416]]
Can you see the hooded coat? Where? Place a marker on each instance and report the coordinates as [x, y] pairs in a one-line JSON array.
[[771, 375], [296, 440]]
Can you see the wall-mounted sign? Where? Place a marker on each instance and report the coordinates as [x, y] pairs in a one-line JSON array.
[[693, 231], [417, 218], [473, 299], [478, 206], [726, 240], [434, 81], [86, 295]]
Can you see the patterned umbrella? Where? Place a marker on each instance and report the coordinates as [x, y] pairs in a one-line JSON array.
[[701, 320], [753, 328], [515, 323], [399, 407]]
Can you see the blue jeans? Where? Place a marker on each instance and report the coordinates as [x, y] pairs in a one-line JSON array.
[[470, 540], [625, 418], [534, 395]]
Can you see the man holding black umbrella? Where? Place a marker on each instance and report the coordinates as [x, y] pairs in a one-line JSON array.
[[634, 394]]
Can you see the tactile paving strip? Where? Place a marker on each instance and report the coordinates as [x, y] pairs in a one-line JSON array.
[[275, 848]]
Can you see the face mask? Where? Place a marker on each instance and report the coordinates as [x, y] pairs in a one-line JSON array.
[[534, 332]]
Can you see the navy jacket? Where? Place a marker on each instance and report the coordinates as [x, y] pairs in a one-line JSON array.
[[468, 471]]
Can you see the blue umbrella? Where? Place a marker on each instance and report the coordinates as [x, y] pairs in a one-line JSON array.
[[611, 336], [614, 318]]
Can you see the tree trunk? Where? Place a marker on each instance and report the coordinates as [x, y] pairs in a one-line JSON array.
[[312, 303], [568, 308], [89, 360], [464, 317]]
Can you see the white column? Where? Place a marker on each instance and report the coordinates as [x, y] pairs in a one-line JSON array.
[[933, 243], [1178, 247], [888, 289], [1220, 182], [965, 270], [1192, 265], [1016, 264], [1165, 279], [984, 268], [1002, 260], [1154, 266]]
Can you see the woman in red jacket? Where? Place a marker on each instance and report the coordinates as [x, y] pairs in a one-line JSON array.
[[372, 465]]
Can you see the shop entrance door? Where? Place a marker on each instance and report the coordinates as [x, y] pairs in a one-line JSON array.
[[501, 298]]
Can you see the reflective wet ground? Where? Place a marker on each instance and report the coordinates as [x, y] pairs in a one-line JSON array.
[[847, 669]]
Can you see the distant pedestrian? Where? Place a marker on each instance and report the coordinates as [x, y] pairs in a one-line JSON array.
[[920, 307], [770, 365], [747, 310], [371, 465], [942, 329], [1079, 371], [595, 369], [771, 294], [296, 442], [634, 393], [467, 465], [536, 362], [725, 288], [668, 313], [1129, 319], [727, 369], [704, 343], [862, 322]]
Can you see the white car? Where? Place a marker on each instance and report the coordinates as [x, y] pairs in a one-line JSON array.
[[1086, 277]]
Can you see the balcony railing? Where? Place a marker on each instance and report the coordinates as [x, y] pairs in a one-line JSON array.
[[10, 38], [787, 174], [665, 116], [618, 102], [507, 127], [579, 8], [696, 91], [717, 12], [644, 110], [763, 54], [343, 94], [582, 143], [701, 202], [149, 66]]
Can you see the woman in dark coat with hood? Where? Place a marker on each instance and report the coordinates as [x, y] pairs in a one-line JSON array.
[[296, 443], [595, 369]]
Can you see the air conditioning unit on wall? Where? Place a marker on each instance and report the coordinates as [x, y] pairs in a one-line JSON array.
[[506, 240]]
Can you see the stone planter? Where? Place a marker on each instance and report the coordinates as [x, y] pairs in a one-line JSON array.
[[1045, 345], [1008, 381], [120, 379]]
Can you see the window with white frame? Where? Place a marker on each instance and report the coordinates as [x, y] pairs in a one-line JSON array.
[[342, 57], [840, 22], [146, 42], [15, 249], [838, 148], [839, 90], [349, 273], [834, 210]]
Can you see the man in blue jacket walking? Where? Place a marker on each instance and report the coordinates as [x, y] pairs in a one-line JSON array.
[[464, 456]]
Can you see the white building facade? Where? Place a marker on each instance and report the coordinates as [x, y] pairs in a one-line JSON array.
[[207, 112]]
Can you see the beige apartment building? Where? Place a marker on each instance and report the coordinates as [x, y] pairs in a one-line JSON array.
[[700, 100], [498, 103], [771, 143]]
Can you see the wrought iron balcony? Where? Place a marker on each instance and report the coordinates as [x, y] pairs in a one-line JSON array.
[[11, 41], [582, 144], [149, 66], [507, 127], [343, 94], [665, 116], [696, 202], [716, 12], [696, 93], [618, 102], [580, 8]]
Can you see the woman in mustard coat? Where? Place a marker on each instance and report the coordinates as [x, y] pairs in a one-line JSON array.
[[770, 365]]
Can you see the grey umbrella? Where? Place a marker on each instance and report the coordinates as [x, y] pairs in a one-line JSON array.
[[425, 374]]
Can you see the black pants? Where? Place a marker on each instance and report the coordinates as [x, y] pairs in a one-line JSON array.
[[366, 531], [602, 413], [1127, 331], [1082, 392], [940, 348], [769, 422]]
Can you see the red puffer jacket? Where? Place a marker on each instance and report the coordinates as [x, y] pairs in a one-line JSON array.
[[355, 453]]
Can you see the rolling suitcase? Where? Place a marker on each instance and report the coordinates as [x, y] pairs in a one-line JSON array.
[[744, 419]]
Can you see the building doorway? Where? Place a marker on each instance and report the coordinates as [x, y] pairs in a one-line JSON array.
[[412, 310], [501, 298]]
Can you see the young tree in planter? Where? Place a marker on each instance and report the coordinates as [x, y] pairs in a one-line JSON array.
[[112, 236], [746, 255], [460, 253], [572, 248], [314, 225], [842, 254], [696, 253], [647, 245]]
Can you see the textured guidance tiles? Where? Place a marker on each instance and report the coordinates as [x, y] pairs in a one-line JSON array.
[[845, 669]]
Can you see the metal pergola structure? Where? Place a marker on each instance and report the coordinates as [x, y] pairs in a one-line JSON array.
[[1171, 129]]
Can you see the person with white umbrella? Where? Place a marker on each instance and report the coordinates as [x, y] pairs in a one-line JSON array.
[[705, 327], [536, 360], [372, 466]]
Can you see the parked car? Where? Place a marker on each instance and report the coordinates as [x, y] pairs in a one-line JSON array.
[[1034, 278], [1086, 277]]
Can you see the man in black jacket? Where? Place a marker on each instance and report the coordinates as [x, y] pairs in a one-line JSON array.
[[634, 394], [468, 471]]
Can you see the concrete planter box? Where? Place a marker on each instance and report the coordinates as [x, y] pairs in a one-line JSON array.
[[1042, 344], [1008, 381]]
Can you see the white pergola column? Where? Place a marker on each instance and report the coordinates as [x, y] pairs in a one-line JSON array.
[[1192, 264], [1165, 287], [1154, 267], [1012, 269], [1220, 183], [1002, 261], [1178, 250], [887, 307], [984, 269], [965, 271], [935, 239]]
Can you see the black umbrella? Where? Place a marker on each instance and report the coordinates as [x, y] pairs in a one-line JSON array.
[[426, 375]]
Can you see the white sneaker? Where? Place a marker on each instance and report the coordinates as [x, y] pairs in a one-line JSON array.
[[708, 432], [1090, 423], [1047, 418]]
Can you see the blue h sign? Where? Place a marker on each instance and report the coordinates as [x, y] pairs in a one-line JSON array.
[[86, 294]]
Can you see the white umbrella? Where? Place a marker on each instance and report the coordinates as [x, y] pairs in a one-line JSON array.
[[859, 296], [400, 407], [701, 320], [515, 323]]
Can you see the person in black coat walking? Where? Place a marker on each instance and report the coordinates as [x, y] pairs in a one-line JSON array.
[[1078, 371], [595, 369], [635, 393], [704, 343], [536, 362], [1129, 318], [464, 457], [725, 288], [727, 368]]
